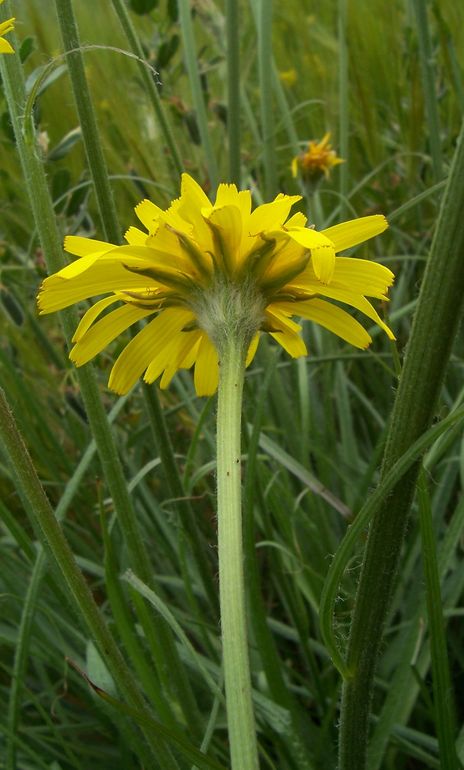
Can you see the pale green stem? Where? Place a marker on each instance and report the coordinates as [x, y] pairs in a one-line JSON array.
[[240, 719]]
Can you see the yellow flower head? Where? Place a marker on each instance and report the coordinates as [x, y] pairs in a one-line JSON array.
[[288, 77], [318, 160], [202, 271], [6, 26]]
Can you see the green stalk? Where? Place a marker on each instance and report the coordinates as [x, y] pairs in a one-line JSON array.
[[60, 554], [150, 87], [240, 719], [87, 119], [442, 689], [233, 89], [191, 64], [265, 67], [434, 327], [343, 101], [283, 110], [428, 81], [30, 602]]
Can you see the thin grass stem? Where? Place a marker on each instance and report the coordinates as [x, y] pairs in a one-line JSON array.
[[191, 63], [343, 102], [233, 89], [265, 70], [445, 718], [120, 9], [87, 118], [429, 88]]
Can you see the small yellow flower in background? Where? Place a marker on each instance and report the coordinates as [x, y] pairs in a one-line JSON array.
[[202, 272], [317, 161], [288, 77], [5, 27]]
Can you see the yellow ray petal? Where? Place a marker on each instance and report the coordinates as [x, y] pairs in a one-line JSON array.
[[105, 331], [358, 302], [5, 46], [153, 340], [183, 357], [190, 205], [149, 214], [228, 195], [322, 251], [81, 247], [192, 194], [135, 237], [361, 275], [165, 247], [252, 349], [57, 293], [92, 314], [227, 224], [206, 375], [278, 318], [296, 220], [348, 234], [270, 216], [289, 260], [291, 343], [7, 25], [332, 318]]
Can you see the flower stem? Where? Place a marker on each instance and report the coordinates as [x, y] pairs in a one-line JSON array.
[[240, 719]]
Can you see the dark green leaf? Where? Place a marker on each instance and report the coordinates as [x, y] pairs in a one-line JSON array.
[[27, 46], [65, 144]]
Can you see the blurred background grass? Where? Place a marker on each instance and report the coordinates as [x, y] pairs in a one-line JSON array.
[[316, 427]]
